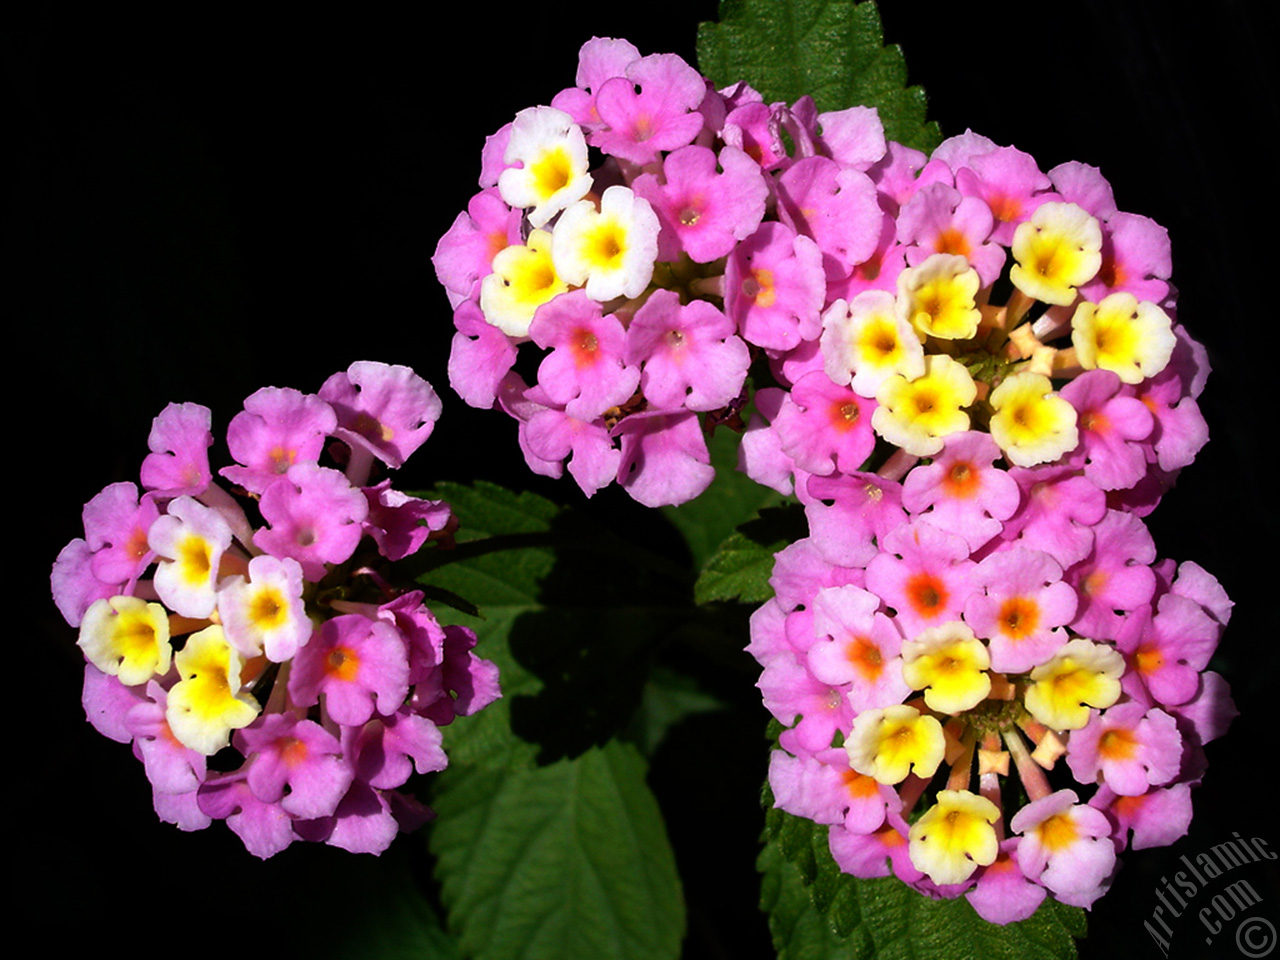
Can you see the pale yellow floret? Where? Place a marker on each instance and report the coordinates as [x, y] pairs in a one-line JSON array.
[[1030, 422], [1133, 340], [1057, 249], [937, 297], [866, 341], [523, 279], [918, 414], [611, 250], [206, 704], [1081, 675], [954, 837], [127, 638], [547, 164], [888, 744], [950, 665]]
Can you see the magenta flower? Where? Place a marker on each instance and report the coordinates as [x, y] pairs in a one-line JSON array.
[[1065, 846], [836, 206], [295, 763], [824, 427], [1129, 747], [650, 109], [1009, 182], [550, 435], [276, 429], [689, 355], [961, 491], [115, 528], [1113, 427], [923, 573], [937, 338], [465, 253], [314, 515], [938, 219], [480, 357], [585, 372], [774, 287], [705, 211], [599, 60], [664, 458], [386, 410], [179, 460]]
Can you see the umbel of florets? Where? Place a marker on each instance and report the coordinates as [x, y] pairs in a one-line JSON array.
[[247, 635], [645, 238]]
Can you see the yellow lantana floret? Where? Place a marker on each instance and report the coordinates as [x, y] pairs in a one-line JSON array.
[[888, 744], [1057, 249], [547, 163], [1081, 675], [207, 703], [1030, 423], [918, 414], [1133, 340], [937, 297], [523, 279], [950, 665], [610, 250], [954, 837], [127, 638], [866, 341]]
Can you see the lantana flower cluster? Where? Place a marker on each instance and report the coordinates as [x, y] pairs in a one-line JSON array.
[[994, 708], [967, 369], [645, 237], [991, 685], [245, 634]]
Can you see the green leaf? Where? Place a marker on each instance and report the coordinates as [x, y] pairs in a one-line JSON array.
[[832, 50], [732, 499], [565, 861], [571, 614], [669, 698], [382, 911], [741, 568], [815, 911]]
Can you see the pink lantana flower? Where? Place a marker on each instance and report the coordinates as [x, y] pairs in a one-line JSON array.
[[654, 107], [939, 219], [387, 410], [705, 203], [479, 358], [825, 427], [664, 457], [1009, 182], [689, 356], [115, 527], [585, 372], [961, 491], [314, 516], [465, 253], [179, 460], [836, 206], [774, 287], [277, 428], [295, 763], [1066, 846], [599, 60], [358, 665]]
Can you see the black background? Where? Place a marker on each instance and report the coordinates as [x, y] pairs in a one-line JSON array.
[[206, 202]]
